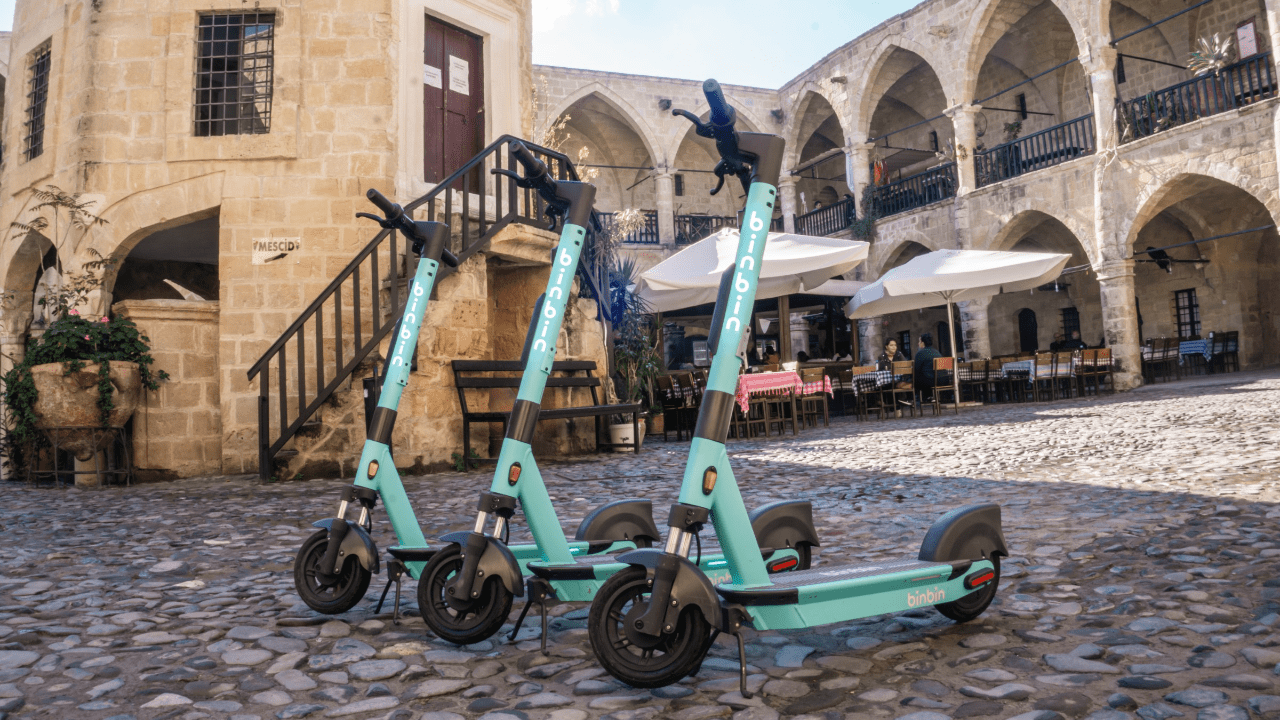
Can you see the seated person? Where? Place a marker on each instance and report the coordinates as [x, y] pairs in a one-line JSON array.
[[890, 355], [924, 376], [1075, 343], [802, 356]]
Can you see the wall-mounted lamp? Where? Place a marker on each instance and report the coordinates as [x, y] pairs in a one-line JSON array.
[[841, 79], [664, 104], [778, 115]]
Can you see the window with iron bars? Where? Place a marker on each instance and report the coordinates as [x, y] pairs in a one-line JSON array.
[[1070, 322], [37, 100], [1187, 310], [235, 69]]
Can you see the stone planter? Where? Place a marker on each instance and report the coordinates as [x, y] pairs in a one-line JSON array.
[[71, 400], [656, 423], [624, 433]]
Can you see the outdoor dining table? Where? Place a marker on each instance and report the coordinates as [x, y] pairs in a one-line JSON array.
[[1019, 368], [785, 382], [1194, 347], [872, 381]]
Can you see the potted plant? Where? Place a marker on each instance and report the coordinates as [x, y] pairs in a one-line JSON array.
[[635, 354], [83, 370]]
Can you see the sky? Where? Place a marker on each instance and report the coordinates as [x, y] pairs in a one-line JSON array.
[[6, 15], [762, 43]]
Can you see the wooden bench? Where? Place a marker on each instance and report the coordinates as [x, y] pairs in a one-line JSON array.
[[490, 374]]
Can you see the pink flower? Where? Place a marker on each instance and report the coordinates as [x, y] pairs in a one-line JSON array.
[[75, 311], [86, 337], [106, 319]]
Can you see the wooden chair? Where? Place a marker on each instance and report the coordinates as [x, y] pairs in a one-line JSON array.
[[867, 400], [1042, 379], [676, 415], [1161, 359], [684, 381], [1104, 368], [944, 378], [1231, 351], [1064, 379], [904, 397], [699, 382], [973, 377], [814, 403], [1086, 369], [770, 368]]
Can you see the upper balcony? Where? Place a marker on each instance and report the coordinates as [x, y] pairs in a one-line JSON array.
[[1235, 86]]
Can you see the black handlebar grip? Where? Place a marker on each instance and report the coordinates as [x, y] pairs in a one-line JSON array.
[[448, 258], [533, 167], [721, 112], [388, 208]]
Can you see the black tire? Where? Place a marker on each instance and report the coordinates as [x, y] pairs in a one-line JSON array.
[[974, 604], [805, 551], [474, 622], [341, 596], [664, 661]]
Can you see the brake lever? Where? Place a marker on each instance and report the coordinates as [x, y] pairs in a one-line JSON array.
[[520, 181], [699, 127], [720, 173], [381, 221]]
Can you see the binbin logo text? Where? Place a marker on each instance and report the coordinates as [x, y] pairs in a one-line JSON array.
[[931, 596]]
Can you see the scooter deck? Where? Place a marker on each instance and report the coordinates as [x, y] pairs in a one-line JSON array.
[[602, 567], [837, 593]]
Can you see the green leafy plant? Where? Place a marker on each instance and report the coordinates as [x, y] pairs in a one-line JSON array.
[[61, 212], [636, 356], [1012, 130], [463, 464], [864, 226]]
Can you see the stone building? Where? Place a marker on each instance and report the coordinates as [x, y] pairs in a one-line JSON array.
[[228, 150], [1059, 125]]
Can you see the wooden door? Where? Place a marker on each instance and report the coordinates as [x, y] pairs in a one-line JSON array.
[[453, 99]]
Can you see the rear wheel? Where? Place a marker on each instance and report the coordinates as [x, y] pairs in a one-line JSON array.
[[637, 659], [975, 603], [322, 592], [461, 622]]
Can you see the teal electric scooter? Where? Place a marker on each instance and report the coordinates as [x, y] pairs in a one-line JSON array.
[[334, 566], [651, 624], [466, 591]]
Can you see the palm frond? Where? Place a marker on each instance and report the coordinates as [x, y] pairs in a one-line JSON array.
[[1210, 56]]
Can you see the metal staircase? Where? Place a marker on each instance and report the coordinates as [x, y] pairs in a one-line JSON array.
[[337, 331]]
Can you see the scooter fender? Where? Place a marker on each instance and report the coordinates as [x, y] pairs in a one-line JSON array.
[[357, 543], [972, 532], [691, 585], [620, 520], [784, 524], [496, 560]]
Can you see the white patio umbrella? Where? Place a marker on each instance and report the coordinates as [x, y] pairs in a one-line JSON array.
[[792, 264], [953, 276]]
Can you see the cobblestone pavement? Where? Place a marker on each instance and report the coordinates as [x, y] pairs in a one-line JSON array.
[[1142, 583]]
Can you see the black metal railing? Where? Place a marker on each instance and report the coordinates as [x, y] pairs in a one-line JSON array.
[[826, 220], [647, 234], [1245, 82], [1039, 150], [921, 189], [692, 228], [359, 308]]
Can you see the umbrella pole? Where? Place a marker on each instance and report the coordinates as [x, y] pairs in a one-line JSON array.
[[955, 363]]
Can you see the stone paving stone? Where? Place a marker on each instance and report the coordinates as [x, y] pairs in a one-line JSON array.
[[1142, 582]]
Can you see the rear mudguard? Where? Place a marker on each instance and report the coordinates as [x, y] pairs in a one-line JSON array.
[[691, 586], [620, 520], [357, 543], [784, 524], [496, 560], [971, 532]]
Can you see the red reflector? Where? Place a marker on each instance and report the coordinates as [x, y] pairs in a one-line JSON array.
[[785, 564], [981, 578]]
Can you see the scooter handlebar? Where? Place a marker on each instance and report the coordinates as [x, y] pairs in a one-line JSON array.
[[389, 209], [448, 258], [533, 167], [721, 112]]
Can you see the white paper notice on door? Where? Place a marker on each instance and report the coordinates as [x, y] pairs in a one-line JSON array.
[[431, 76], [459, 75]]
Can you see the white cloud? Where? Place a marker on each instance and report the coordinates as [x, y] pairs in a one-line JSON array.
[[546, 13]]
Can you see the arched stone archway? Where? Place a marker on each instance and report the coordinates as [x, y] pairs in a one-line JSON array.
[[624, 110], [887, 255], [902, 108], [889, 62], [992, 20]]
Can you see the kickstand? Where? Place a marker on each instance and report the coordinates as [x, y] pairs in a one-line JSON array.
[[735, 617], [742, 667], [538, 591], [395, 571]]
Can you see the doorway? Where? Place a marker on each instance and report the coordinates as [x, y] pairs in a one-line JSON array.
[[1028, 331], [453, 99]]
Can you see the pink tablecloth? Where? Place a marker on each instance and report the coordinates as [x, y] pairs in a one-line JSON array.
[[775, 383]]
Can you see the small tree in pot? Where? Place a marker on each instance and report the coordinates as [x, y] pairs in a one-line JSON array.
[[635, 354]]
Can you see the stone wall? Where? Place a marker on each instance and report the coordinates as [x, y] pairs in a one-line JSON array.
[[177, 430]]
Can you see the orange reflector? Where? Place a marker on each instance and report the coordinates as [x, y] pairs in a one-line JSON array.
[[513, 474], [373, 468], [977, 579], [783, 564], [708, 481]]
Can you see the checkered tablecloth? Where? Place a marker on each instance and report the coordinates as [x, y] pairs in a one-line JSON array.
[[1020, 367], [775, 383], [1194, 347], [872, 381]]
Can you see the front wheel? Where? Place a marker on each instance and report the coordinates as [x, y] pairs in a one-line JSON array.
[[974, 604], [461, 622], [637, 659], [326, 593]]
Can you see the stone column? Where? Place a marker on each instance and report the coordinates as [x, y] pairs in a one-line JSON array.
[[1272, 14], [666, 193], [966, 140], [787, 201], [974, 326], [857, 168], [1101, 69], [870, 339], [1120, 321]]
